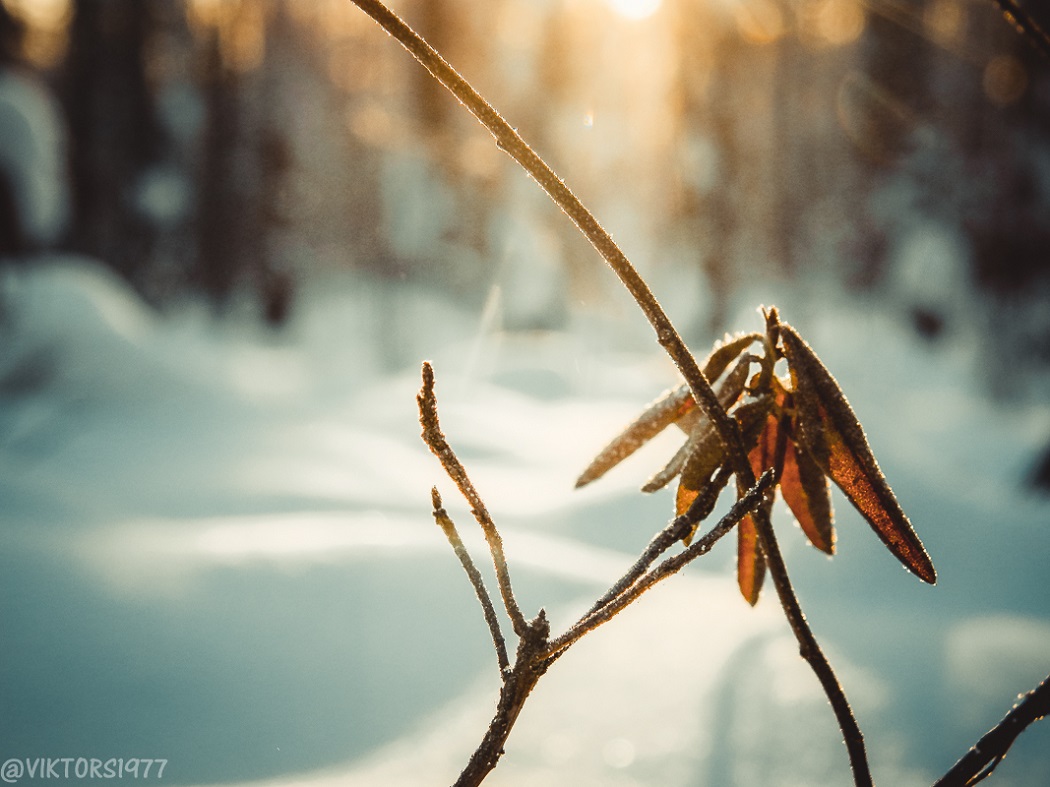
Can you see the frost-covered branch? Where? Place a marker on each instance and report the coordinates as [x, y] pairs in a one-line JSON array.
[[615, 603], [984, 757], [435, 440], [1025, 24], [488, 608], [510, 141], [536, 651]]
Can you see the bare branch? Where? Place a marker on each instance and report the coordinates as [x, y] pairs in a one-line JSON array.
[[1025, 25], [662, 541], [668, 337], [529, 667], [979, 762], [672, 565], [445, 522], [437, 443]]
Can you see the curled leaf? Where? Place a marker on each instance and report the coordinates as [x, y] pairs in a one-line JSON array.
[[805, 490], [661, 413], [750, 563], [708, 454], [768, 451], [726, 352], [715, 366], [830, 432], [698, 469], [695, 443]]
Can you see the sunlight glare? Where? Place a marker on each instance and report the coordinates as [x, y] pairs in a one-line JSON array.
[[46, 23], [760, 22], [48, 14], [838, 22], [635, 9]]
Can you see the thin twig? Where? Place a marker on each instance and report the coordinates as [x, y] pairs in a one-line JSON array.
[[511, 142], [437, 443], [699, 510], [449, 527], [668, 337], [520, 680], [1025, 25], [672, 565], [979, 762], [811, 651]]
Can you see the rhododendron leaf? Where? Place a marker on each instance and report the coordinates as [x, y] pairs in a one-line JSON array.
[[763, 455], [830, 432], [805, 490], [701, 435], [665, 410], [671, 406], [750, 563], [726, 352], [702, 463], [714, 367]]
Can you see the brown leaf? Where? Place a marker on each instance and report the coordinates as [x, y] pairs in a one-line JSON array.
[[674, 405], [665, 410], [704, 447], [698, 469], [750, 563], [833, 437], [726, 352], [703, 432], [714, 366], [708, 456], [805, 490]]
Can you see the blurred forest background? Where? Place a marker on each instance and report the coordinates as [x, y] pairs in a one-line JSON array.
[[230, 230], [234, 149]]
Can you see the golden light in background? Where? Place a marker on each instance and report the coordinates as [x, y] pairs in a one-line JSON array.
[[1005, 80], [944, 21], [373, 125], [837, 22], [759, 21], [241, 25], [635, 9], [46, 24], [204, 13]]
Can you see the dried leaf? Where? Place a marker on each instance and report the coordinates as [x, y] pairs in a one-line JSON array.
[[805, 490], [750, 563], [702, 464], [830, 432], [665, 410], [697, 471], [763, 455], [714, 366], [726, 352], [674, 467], [728, 391]]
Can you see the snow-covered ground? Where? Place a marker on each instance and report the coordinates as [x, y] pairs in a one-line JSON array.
[[217, 549]]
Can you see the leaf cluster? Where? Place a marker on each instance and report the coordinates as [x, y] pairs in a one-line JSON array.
[[800, 427]]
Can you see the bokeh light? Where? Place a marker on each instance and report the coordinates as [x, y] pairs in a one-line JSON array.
[[635, 9]]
